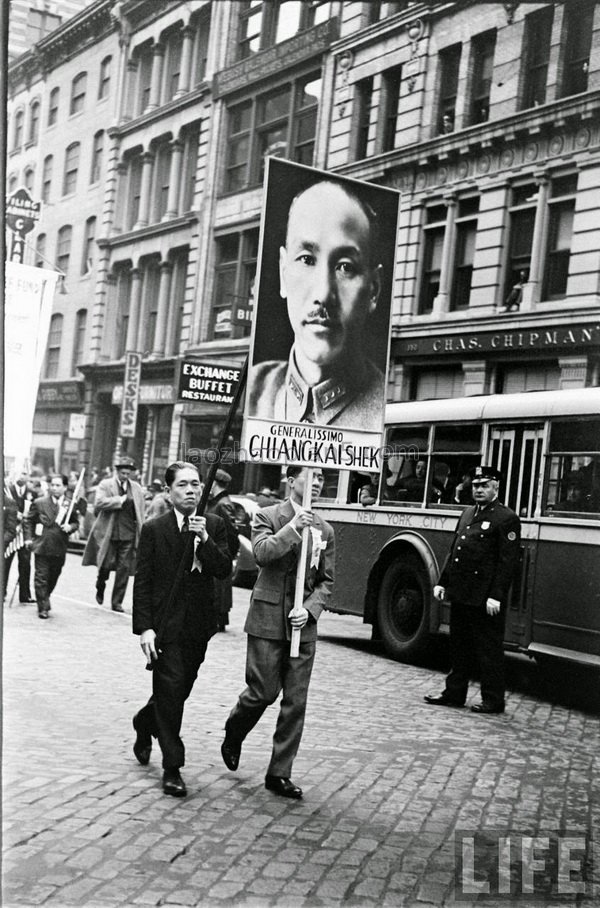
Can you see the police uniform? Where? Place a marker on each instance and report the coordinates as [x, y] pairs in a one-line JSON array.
[[353, 399], [480, 565]]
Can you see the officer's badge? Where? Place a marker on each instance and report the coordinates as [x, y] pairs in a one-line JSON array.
[[512, 536], [485, 525]]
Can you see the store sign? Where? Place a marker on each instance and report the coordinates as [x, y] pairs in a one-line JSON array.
[[21, 215], [561, 338], [131, 393], [149, 394], [63, 395], [208, 382]]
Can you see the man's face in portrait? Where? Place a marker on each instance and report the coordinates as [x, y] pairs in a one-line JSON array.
[[327, 275]]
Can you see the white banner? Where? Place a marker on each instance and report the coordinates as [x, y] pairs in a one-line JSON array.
[[29, 293]]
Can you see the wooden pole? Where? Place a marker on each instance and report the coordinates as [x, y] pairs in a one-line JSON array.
[[301, 567]]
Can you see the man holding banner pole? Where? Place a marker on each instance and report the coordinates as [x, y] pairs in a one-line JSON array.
[[274, 617]]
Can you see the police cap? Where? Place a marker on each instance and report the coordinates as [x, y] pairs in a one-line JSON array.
[[125, 462], [483, 473]]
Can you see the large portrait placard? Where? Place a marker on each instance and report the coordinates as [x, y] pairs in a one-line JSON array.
[[319, 349]]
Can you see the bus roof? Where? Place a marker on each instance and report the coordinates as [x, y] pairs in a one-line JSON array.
[[536, 404]]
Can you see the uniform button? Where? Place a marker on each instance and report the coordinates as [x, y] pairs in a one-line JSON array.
[[463, 537], [456, 559], [458, 548]]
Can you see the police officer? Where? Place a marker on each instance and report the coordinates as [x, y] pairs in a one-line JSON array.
[[476, 579]]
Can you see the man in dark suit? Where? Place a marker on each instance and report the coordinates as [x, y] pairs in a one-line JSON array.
[[220, 504], [10, 512], [49, 548], [113, 541], [23, 494], [476, 579], [175, 614], [276, 539]]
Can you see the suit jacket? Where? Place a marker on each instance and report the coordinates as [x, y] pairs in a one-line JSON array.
[[193, 610], [222, 506], [276, 547], [107, 503], [28, 496], [11, 512], [483, 556], [53, 541]]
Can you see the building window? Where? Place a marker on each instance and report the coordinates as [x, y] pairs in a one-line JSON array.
[[63, 248], [144, 80], [39, 23], [483, 66], [79, 339], [283, 122], [364, 98], [161, 181], [28, 179], [177, 300], [172, 66], [123, 306], [579, 27], [448, 69], [466, 233], [234, 283], [53, 106], [34, 122], [78, 87], [71, 168], [54, 342], [47, 177], [19, 127], [200, 50], [522, 222], [13, 182], [134, 191], [436, 384], [97, 151], [560, 233], [250, 25], [191, 142], [432, 257], [390, 106], [263, 24], [89, 246], [40, 251], [104, 81], [538, 35], [150, 290]]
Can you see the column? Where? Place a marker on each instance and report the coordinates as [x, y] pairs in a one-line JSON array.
[[145, 190], [120, 199], [186, 61], [532, 291], [174, 180], [164, 290], [441, 303], [158, 53], [129, 90], [143, 311], [134, 309]]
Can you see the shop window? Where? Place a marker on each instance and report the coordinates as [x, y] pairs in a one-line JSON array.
[[449, 63], [89, 246], [53, 106], [234, 283], [47, 177], [437, 384], [71, 167], [573, 469], [483, 65], [78, 89], [63, 248], [104, 81], [79, 339], [538, 36], [54, 344], [362, 117], [515, 379], [97, 152], [579, 23]]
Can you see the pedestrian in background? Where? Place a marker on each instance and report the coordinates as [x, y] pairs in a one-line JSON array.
[[476, 579], [276, 540], [47, 529], [114, 538], [23, 494], [175, 614], [220, 503], [11, 515], [161, 502]]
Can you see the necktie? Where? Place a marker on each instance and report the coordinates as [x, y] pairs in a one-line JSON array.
[[309, 413], [185, 526]]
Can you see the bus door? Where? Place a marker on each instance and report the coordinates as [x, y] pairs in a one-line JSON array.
[[517, 452]]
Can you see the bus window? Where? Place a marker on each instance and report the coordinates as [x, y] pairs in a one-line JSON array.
[[573, 473], [456, 451], [405, 460]]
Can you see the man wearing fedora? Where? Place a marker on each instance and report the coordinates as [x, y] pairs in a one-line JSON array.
[[113, 541], [476, 580]]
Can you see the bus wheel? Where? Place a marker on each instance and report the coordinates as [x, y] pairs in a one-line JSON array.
[[402, 610]]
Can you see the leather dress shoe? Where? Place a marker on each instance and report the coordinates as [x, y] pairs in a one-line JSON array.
[[442, 700], [118, 608], [487, 709], [173, 784], [27, 601], [283, 787], [99, 596], [142, 746], [43, 614], [231, 754]]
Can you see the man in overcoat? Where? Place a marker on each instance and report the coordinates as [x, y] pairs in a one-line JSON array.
[[221, 504], [276, 540], [50, 547], [23, 494], [114, 538], [476, 580], [175, 614]]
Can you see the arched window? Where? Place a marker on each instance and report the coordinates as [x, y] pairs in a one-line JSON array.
[[19, 126], [63, 248], [104, 83], [78, 88], [53, 106], [97, 150], [79, 339], [71, 168], [89, 246], [54, 342], [28, 179], [34, 122], [40, 251], [13, 182], [47, 177]]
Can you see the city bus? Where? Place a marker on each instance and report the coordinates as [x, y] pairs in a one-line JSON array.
[[393, 530]]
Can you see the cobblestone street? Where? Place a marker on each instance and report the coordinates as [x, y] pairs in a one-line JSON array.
[[387, 780]]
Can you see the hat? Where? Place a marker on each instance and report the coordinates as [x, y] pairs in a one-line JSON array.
[[483, 473], [222, 477], [125, 462], [157, 485]]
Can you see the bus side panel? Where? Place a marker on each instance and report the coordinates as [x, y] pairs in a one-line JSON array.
[[566, 608], [357, 548]]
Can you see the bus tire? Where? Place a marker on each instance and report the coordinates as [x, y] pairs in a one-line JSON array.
[[403, 609]]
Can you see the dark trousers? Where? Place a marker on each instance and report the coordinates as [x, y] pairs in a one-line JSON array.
[[172, 680], [123, 552], [24, 561], [270, 670], [476, 639], [47, 572]]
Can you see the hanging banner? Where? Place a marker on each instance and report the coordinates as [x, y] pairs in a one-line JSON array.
[[212, 383], [29, 293], [320, 341], [131, 394]]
